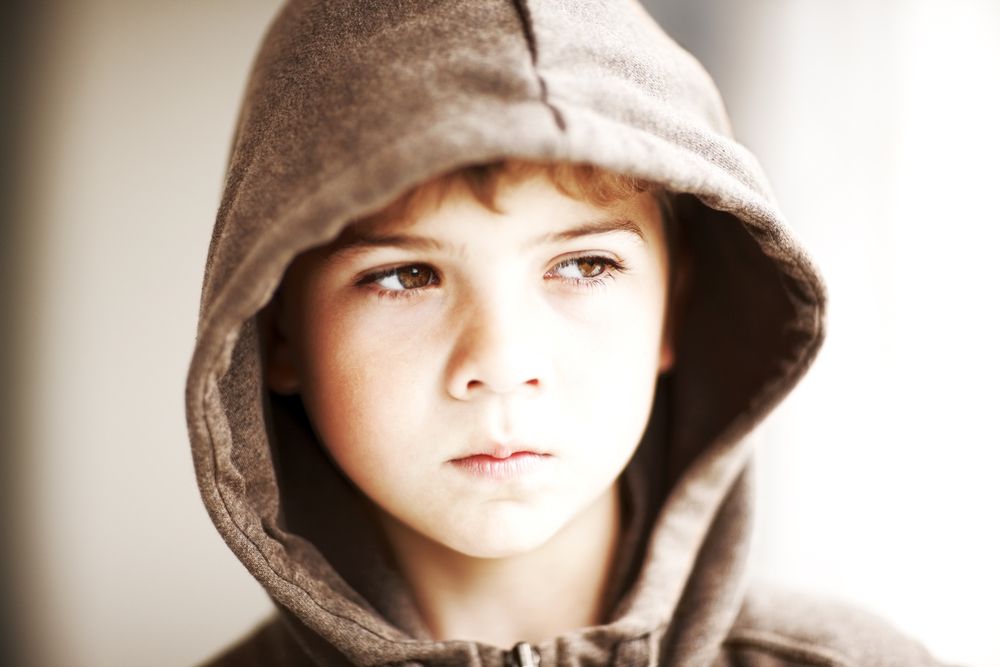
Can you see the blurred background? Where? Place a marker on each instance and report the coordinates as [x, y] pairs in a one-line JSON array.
[[876, 123]]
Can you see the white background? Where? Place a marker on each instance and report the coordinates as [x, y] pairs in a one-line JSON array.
[[877, 124]]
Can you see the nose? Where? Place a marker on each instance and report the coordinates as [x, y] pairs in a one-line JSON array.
[[499, 349]]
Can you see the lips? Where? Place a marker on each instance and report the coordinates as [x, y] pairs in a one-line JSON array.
[[502, 463]]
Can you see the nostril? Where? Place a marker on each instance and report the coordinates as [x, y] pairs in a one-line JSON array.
[[472, 385]]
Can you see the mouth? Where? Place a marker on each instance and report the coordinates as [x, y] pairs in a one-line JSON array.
[[502, 463]]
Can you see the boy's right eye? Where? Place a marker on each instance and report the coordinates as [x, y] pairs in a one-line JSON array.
[[402, 278]]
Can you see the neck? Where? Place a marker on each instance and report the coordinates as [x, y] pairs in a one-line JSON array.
[[529, 596]]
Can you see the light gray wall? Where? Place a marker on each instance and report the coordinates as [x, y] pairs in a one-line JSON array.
[[876, 123], [132, 109]]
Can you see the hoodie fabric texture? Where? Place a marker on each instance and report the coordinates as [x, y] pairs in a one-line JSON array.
[[350, 104]]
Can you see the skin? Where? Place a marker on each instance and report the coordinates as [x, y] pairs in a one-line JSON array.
[[418, 343]]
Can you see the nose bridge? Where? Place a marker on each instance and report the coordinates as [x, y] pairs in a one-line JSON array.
[[499, 347]]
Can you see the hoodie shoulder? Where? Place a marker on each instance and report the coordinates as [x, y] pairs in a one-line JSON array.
[[780, 628]]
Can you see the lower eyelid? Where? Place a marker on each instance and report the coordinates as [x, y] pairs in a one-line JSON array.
[[398, 294]]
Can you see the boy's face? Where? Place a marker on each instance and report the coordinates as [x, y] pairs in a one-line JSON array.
[[483, 378]]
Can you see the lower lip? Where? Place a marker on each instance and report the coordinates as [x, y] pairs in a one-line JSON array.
[[516, 465]]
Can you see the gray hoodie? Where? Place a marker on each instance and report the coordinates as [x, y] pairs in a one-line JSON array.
[[352, 103]]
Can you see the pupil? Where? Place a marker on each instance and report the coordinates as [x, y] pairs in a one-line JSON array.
[[414, 277], [589, 269]]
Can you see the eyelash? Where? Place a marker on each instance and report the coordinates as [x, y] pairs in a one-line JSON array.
[[613, 268]]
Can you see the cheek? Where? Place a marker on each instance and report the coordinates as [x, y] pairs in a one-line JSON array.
[[366, 386], [608, 375]]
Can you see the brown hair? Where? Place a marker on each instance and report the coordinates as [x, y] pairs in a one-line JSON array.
[[594, 185]]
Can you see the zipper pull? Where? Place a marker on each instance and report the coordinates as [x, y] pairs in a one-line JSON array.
[[522, 655]]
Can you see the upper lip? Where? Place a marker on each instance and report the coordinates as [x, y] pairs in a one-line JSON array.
[[503, 451]]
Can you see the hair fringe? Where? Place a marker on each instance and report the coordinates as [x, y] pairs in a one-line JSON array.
[[585, 182]]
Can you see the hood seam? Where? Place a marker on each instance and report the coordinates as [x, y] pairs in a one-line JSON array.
[[524, 14]]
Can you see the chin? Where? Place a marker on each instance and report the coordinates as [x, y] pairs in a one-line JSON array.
[[492, 548], [510, 534]]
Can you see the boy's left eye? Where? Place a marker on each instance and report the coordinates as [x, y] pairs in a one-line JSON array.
[[583, 268]]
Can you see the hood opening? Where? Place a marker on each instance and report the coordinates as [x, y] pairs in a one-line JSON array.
[[739, 342]]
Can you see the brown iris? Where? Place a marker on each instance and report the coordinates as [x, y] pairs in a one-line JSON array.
[[415, 276], [590, 267]]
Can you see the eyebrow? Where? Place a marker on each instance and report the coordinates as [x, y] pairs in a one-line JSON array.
[[595, 227], [357, 238]]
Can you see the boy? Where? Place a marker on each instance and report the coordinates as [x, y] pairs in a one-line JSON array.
[[491, 304]]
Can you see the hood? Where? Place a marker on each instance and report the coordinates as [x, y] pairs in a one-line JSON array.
[[349, 105]]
